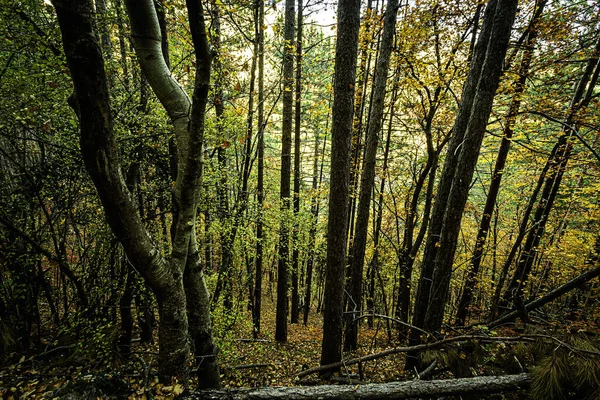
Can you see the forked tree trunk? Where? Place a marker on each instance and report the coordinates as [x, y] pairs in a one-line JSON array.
[[100, 154], [443, 190], [469, 153]]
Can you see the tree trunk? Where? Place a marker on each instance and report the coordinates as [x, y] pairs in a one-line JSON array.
[[200, 330], [126, 315], [258, 27], [368, 176], [337, 225], [488, 210], [295, 253], [481, 385], [374, 265], [360, 95], [314, 211], [557, 165], [443, 190], [227, 234], [284, 194]]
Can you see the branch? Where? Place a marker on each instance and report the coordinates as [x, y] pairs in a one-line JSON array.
[[407, 349], [396, 320], [566, 126]]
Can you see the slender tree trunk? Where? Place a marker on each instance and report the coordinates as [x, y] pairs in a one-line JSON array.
[[227, 236], [298, 113], [286, 149], [344, 81], [443, 190], [118, 5], [314, 211], [258, 27], [360, 96], [488, 210], [374, 265], [557, 165], [368, 176], [519, 239]]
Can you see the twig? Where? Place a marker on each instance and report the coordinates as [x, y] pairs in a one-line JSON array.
[[394, 320], [245, 366]]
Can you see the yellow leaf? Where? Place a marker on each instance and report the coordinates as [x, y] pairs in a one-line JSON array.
[[178, 389]]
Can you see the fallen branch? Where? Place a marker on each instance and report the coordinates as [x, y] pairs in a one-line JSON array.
[[380, 391], [245, 366], [420, 347], [254, 340]]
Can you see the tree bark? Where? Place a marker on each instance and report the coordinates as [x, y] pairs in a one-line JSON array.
[[284, 194], [488, 210], [368, 176], [256, 309], [297, 121], [480, 385], [337, 225]]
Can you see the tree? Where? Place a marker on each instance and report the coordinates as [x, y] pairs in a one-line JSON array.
[[368, 174], [297, 131], [492, 196], [337, 225], [552, 176], [259, 15], [164, 274], [463, 152], [286, 156]]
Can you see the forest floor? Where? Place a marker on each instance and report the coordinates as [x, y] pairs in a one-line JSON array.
[[244, 362]]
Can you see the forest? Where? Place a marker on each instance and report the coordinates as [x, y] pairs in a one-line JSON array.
[[300, 199]]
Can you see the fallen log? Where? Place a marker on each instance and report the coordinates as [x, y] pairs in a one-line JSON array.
[[377, 391]]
